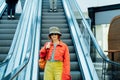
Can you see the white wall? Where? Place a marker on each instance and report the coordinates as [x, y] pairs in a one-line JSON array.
[[84, 4], [101, 29]]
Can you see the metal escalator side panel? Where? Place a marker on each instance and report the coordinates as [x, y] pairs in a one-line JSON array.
[[83, 56]]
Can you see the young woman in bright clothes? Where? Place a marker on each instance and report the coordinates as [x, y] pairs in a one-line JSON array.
[[57, 55]]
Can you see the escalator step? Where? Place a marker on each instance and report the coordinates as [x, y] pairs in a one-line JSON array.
[[9, 21], [6, 36], [6, 26], [5, 42], [4, 50], [7, 31]]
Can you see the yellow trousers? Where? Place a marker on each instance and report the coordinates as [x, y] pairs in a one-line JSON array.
[[53, 70]]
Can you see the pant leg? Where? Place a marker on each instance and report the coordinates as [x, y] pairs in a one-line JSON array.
[[8, 8], [55, 4], [13, 8], [48, 73], [58, 67], [51, 4]]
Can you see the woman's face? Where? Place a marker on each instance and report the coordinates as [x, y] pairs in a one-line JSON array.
[[54, 37]]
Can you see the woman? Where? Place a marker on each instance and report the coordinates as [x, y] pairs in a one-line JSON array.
[[57, 55], [11, 7]]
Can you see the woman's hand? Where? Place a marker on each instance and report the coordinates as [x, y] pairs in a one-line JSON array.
[[48, 45]]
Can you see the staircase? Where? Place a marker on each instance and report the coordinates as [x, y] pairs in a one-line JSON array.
[[7, 31], [59, 19]]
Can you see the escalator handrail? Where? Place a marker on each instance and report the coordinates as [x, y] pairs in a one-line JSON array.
[[37, 43], [92, 72], [98, 48], [36, 50], [1, 2], [3, 6], [18, 38], [83, 65], [22, 66]]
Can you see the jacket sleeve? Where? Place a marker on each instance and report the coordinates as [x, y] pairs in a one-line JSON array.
[[43, 52], [66, 65]]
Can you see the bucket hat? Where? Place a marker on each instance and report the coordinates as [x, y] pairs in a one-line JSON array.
[[53, 30]]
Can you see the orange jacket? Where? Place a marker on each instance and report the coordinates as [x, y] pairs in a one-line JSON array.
[[61, 54]]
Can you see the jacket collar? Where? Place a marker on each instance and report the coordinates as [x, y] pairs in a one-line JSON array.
[[60, 43]]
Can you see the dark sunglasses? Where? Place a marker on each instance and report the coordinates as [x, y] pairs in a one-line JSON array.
[[54, 34]]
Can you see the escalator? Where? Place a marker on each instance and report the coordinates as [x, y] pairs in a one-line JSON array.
[[20, 55], [32, 29], [24, 66], [59, 19], [7, 31]]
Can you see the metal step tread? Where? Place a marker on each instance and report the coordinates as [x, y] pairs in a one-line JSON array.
[[6, 36], [9, 21], [2, 57], [5, 43], [7, 31], [63, 25], [63, 31]]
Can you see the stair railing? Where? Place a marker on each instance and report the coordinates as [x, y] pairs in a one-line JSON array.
[[3, 6], [25, 54], [82, 40], [88, 71], [98, 48]]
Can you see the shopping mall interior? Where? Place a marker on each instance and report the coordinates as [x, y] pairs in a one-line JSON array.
[[89, 28]]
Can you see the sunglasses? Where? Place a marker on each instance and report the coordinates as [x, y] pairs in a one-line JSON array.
[[54, 34]]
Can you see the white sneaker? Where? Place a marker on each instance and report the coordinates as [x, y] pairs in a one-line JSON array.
[[50, 10], [9, 17], [13, 16], [55, 10]]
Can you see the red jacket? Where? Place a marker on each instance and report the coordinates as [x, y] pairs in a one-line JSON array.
[[61, 54]]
